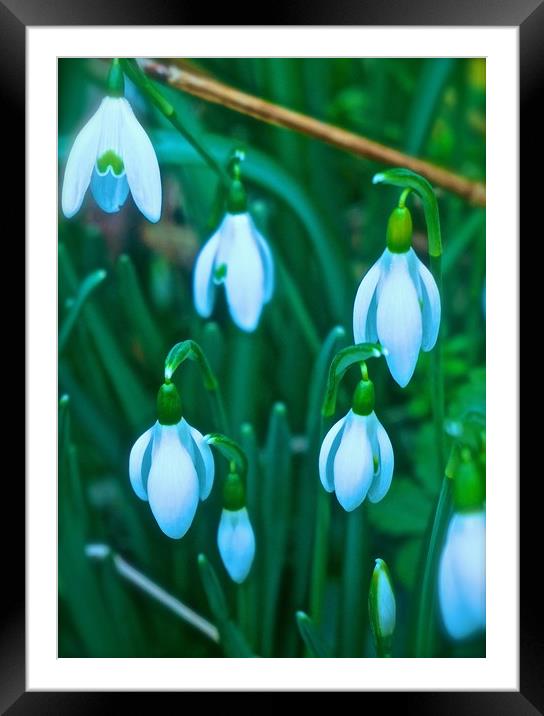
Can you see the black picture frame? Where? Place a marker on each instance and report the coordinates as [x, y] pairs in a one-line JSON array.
[[528, 15]]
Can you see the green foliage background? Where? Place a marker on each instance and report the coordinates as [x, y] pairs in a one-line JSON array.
[[325, 222]]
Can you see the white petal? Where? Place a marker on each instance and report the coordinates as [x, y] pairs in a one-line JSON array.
[[136, 461], [80, 164], [364, 308], [399, 319], [201, 455], [328, 453], [431, 305], [461, 583], [382, 480], [172, 486], [236, 543], [141, 165], [109, 190], [267, 259], [203, 284], [353, 463], [244, 282]]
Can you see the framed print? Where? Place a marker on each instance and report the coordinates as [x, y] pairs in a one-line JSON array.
[[272, 309]]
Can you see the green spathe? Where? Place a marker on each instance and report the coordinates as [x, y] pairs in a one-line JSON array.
[[169, 410]]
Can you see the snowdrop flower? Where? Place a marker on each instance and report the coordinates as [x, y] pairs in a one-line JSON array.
[[461, 577], [461, 573], [235, 537], [238, 256], [398, 303], [356, 458], [382, 607], [171, 466], [114, 155]]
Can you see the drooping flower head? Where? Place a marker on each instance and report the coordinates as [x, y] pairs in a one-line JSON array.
[[113, 154], [171, 466], [356, 458], [398, 302], [235, 537], [237, 256], [461, 575]]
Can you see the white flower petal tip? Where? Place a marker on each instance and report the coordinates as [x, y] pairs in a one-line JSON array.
[[236, 543], [347, 460], [461, 576], [398, 304], [113, 154], [172, 468], [238, 257]]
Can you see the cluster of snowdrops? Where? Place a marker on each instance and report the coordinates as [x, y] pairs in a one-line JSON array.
[[397, 306]]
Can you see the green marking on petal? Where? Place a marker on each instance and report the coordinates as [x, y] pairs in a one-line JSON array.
[[376, 462], [110, 159], [220, 272]]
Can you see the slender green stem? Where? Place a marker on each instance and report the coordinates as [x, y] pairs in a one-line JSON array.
[[355, 582], [243, 609], [382, 652], [133, 71], [218, 409], [437, 377], [426, 607], [321, 550]]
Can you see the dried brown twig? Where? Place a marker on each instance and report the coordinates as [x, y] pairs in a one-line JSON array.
[[194, 82]]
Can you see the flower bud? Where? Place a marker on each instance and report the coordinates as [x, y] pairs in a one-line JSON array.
[[382, 608]]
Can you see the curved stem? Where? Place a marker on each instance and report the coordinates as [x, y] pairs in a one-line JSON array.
[[190, 350], [230, 450], [133, 71], [321, 549]]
